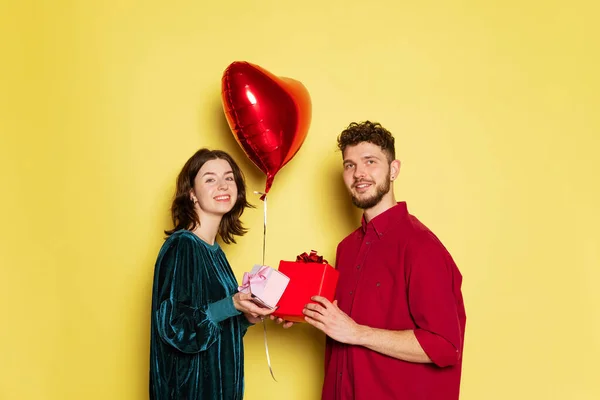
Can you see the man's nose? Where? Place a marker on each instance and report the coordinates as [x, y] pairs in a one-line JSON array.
[[359, 172]]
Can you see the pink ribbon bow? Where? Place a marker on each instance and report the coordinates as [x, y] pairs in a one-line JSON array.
[[257, 280]]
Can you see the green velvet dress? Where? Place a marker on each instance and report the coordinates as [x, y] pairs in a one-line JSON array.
[[196, 349]]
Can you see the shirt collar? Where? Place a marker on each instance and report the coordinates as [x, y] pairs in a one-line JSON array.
[[382, 223]]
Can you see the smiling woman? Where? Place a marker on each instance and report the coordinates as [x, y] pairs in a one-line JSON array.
[[198, 316]]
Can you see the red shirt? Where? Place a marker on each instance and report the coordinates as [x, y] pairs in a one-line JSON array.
[[395, 274]]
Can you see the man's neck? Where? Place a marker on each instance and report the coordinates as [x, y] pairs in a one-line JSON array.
[[385, 204]]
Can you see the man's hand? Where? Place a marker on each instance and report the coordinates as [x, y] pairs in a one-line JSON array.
[[335, 323]]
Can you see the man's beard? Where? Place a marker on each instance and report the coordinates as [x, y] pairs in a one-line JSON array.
[[370, 202]]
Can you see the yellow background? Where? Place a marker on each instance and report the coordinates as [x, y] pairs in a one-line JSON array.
[[494, 105]]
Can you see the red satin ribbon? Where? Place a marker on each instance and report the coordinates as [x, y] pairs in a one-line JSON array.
[[311, 258]]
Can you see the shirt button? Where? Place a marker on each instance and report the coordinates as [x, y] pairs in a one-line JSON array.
[[368, 242], [351, 293], [378, 284], [358, 267]]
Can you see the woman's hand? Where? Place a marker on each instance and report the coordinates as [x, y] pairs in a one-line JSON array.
[[286, 324], [243, 303], [252, 319]]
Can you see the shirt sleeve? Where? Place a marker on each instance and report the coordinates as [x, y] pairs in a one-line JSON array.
[[432, 301], [183, 323], [329, 343]]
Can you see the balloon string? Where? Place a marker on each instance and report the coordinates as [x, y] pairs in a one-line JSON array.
[[264, 199], [264, 249], [267, 350]]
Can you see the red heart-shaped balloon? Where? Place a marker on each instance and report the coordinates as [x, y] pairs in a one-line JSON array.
[[268, 115]]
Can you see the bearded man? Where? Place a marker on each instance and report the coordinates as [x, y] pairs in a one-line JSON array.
[[396, 328]]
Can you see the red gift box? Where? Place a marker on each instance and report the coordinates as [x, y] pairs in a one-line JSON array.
[[310, 275]]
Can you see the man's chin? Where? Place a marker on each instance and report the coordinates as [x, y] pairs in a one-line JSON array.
[[365, 202]]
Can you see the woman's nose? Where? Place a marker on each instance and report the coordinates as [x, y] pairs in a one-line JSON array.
[[223, 185]]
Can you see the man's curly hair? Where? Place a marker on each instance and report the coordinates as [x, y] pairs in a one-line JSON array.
[[371, 132]]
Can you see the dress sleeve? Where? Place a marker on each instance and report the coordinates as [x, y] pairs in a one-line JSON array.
[[244, 324], [188, 328], [432, 300]]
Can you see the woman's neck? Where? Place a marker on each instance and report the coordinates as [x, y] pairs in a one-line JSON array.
[[208, 228]]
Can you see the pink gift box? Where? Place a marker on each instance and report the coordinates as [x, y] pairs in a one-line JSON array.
[[265, 284]]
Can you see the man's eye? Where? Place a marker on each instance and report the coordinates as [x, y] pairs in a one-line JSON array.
[[347, 166], [370, 162]]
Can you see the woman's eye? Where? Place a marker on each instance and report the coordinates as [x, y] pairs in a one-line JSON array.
[[230, 178], [209, 180]]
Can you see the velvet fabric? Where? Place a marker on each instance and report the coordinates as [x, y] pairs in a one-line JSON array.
[[196, 349]]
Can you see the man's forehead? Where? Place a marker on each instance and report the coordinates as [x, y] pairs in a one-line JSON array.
[[363, 150]]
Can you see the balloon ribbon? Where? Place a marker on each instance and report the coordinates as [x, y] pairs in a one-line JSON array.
[[264, 199]]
